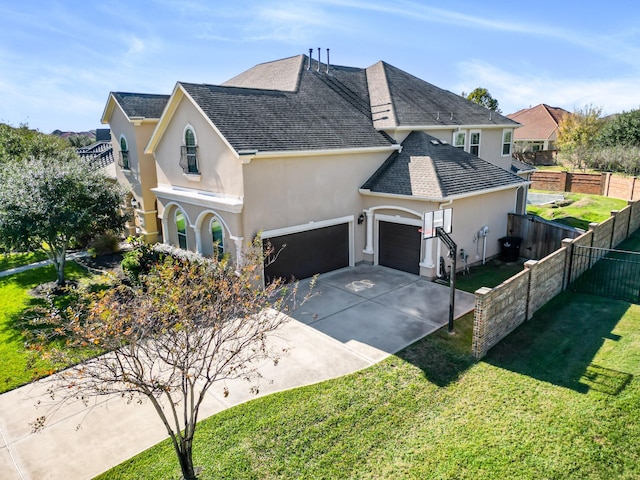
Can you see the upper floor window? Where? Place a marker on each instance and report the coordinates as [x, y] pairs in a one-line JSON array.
[[459, 139], [124, 154], [181, 229], [189, 153], [507, 136], [474, 143], [217, 234]]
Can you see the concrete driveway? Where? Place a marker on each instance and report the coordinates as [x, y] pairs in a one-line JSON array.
[[357, 317], [376, 311]]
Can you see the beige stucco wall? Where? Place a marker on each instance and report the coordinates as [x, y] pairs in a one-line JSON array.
[[220, 170], [141, 176], [282, 192], [469, 215]]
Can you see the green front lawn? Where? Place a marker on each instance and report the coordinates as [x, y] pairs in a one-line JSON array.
[[559, 398], [13, 260], [578, 210], [19, 365]]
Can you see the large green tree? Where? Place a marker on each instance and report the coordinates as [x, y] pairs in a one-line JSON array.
[[481, 96], [49, 204], [23, 143], [621, 131], [577, 134]]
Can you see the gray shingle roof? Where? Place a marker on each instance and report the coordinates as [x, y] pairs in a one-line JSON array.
[[277, 75], [98, 155], [145, 105], [427, 168], [400, 99], [325, 112]]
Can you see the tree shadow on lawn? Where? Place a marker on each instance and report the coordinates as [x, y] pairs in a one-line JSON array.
[[559, 343]]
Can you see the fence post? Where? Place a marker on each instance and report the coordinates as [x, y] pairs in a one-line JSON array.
[[568, 244], [613, 230], [480, 322], [530, 265], [604, 185]]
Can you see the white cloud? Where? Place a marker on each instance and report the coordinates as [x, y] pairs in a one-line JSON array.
[[517, 90]]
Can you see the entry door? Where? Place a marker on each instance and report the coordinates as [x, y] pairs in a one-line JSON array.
[[399, 246]]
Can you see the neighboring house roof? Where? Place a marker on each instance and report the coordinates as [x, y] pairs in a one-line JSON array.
[[298, 104], [136, 105], [431, 169], [538, 123], [97, 155]]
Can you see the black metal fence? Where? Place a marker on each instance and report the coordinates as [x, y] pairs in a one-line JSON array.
[[605, 272]]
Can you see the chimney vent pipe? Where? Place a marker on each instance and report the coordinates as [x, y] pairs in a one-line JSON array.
[[327, 60]]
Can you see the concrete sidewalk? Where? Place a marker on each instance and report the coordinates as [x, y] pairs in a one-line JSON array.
[[360, 316], [42, 263]]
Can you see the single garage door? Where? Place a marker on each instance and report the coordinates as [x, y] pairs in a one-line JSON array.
[[310, 252], [399, 246]]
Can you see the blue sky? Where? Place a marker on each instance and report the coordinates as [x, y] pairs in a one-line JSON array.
[[60, 59]]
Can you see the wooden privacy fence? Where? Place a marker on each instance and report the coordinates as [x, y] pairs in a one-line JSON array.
[[500, 310], [606, 184], [539, 237]]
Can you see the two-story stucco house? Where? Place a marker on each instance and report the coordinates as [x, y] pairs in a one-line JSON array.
[[337, 163]]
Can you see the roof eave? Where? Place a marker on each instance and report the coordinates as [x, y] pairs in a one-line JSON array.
[[411, 128], [365, 191], [247, 155]]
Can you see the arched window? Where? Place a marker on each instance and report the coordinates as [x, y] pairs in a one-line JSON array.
[[181, 229], [189, 157], [217, 234], [124, 154]]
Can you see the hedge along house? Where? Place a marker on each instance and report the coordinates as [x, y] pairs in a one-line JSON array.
[[133, 118], [337, 163]]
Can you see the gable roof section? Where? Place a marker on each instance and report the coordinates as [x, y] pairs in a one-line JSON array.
[[325, 112], [429, 169], [538, 123], [136, 106], [398, 99]]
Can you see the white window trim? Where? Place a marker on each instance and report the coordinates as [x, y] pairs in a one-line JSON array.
[[186, 225], [215, 218], [126, 171], [479, 132], [504, 132], [453, 139], [188, 126]]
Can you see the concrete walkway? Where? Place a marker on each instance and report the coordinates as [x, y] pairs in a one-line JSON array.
[[358, 317], [42, 263]]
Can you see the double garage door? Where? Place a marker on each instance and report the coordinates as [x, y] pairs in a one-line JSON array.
[[304, 254], [399, 246]]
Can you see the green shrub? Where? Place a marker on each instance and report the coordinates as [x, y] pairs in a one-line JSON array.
[[104, 244]]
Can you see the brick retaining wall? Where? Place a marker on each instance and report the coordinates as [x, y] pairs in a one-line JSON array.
[[502, 309]]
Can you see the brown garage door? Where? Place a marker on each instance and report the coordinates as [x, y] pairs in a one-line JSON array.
[[399, 246], [304, 254]]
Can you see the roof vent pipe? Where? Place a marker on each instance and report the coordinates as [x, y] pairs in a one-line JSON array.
[[318, 59], [310, 55], [327, 60]]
